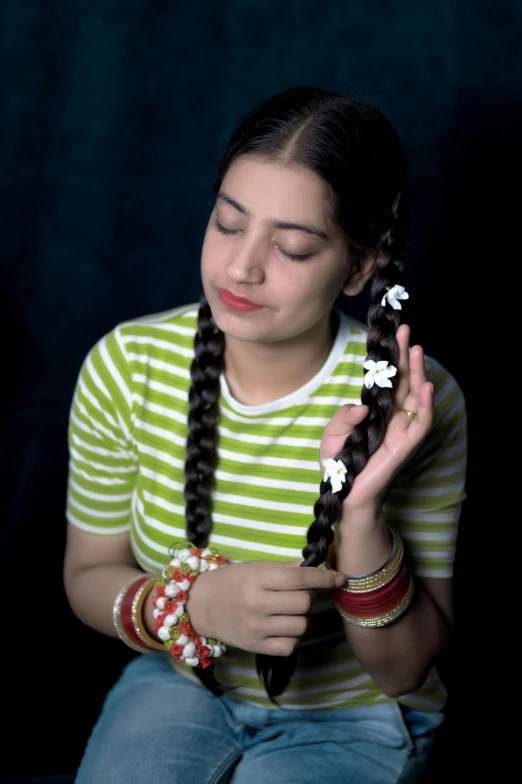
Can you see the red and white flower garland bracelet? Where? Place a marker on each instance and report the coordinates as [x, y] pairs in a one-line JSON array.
[[172, 622]]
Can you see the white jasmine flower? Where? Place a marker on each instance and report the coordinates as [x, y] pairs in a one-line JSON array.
[[378, 373], [193, 563], [189, 650], [393, 296], [335, 471]]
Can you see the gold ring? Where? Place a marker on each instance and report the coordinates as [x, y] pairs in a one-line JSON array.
[[410, 414]]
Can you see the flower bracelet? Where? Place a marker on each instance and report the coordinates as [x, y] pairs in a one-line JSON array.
[[171, 621]]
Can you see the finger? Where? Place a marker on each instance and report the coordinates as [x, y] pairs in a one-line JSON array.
[[424, 419], [286, 602], [285, 626], [279, 646], [417, 378], [306, 578], [402, 387], [417, 371]]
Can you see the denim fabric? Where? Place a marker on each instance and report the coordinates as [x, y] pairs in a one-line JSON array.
[[157, 727]]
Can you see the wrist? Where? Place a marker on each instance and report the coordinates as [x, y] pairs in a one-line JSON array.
[[368, 516], [197, 605], [360, 549]]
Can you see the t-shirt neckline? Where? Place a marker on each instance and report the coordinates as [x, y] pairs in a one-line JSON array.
[[301, 394]]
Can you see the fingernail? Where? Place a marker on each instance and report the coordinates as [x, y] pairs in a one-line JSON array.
[[340, 580]]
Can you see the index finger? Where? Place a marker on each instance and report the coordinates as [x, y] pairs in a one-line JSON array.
[[307, 578]]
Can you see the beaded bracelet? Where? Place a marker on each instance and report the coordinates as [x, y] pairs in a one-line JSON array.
[[172, 622]]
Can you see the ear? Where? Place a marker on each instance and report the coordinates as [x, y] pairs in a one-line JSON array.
[[360, 273]]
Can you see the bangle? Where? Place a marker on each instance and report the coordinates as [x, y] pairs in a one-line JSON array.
[[172, 622], [380, 597], [377, 601], [122, 615], [385, 618], [137, 615], [380, 577]]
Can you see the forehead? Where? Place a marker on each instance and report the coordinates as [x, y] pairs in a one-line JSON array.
[[286, 192]]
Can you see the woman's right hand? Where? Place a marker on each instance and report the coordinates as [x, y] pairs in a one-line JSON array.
[[258, 606]]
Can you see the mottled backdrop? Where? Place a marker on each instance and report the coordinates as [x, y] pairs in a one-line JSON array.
[[113, 114]]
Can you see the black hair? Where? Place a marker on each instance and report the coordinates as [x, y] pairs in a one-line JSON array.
[[353, 147]]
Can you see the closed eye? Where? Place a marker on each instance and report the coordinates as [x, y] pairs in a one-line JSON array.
[[222, 229], [295, 256], [292, 256]]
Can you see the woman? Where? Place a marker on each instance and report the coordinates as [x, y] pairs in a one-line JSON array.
[[267, 424]]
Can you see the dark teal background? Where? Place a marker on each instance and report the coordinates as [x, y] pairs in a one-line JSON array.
[[113, 115]]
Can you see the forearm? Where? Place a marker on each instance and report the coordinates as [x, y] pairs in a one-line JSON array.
[[92, 590], [397, 656]]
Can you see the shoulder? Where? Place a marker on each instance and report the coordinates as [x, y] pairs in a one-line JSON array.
[[177, 321], [166, 336], [449, 400]]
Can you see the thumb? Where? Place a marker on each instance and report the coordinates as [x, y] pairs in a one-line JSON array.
[[346, 419], [343, 422]]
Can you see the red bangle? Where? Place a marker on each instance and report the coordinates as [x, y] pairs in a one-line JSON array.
[[375, 602], [124, 623]]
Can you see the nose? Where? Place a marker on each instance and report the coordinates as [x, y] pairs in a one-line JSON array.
[[247, 264]]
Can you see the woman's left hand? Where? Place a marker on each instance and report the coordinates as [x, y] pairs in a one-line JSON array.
[[403, 434]]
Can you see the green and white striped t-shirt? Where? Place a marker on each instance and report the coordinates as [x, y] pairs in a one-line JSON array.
[[127, 442]]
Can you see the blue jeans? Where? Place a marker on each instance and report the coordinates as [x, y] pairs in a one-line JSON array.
[[157, 727]]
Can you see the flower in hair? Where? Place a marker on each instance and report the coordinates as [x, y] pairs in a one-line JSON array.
[[378, 373], [335, 471], [393, 295]]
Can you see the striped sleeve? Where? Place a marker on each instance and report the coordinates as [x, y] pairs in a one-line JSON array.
[[425, 501], [102, 460]]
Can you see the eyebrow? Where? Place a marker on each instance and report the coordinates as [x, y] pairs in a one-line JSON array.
[[277, 224]]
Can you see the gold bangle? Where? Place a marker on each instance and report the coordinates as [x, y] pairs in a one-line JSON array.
[[381, 577], [137, 615]]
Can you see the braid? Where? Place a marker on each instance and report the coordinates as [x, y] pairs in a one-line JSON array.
[[363, 441], [202, 453]]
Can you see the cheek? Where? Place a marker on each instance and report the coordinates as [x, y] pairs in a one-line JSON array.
[[323, 285], [209, 252]]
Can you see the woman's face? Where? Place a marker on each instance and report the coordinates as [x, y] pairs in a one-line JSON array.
[[270, 240]]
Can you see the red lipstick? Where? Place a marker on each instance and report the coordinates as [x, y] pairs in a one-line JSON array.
[[237, 303]]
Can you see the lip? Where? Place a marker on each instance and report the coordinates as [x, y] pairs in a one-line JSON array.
[[237, 303]]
